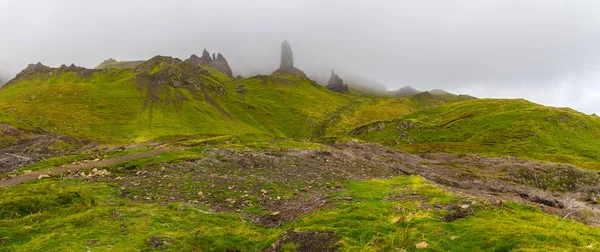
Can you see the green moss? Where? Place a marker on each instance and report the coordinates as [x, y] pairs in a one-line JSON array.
[[383, 215]]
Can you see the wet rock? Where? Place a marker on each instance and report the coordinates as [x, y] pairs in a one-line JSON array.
[[336, 84]]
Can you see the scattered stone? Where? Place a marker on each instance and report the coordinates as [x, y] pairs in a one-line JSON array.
[[421, 245], [43, 176]]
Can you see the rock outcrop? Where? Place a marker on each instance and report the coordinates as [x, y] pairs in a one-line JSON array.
[[219, 62], [108, 61], [336, 84], [287, 56], [286, 65]]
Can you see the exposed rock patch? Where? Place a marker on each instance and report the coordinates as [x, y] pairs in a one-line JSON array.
[[19, 148], [306, 241], [336, 84]]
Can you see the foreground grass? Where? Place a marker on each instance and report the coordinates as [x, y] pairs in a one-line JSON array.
[[383, 215]]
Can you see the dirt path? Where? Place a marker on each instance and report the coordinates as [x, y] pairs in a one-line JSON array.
[[71, 168]]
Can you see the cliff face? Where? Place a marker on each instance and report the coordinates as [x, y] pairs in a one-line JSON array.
[[219, 62], [336, 84]]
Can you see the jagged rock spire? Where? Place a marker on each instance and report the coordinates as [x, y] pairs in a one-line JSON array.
[[219, 62], [205, 54], [336, 83], [287, 56]]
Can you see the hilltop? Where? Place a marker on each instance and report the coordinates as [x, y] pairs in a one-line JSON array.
[[177, 154]]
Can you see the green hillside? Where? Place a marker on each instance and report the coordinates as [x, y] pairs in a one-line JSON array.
[[165, 97], [494, 127], [166, 154], [161, 97]]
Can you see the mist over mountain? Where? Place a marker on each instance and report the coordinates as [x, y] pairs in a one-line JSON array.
[[546, 52]]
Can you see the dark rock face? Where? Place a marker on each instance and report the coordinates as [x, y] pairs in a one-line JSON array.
[[286, 65], [336, 84], [206, 56], [219, 62], [287, 56]]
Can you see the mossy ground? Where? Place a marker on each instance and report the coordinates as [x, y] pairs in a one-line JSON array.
[[384, 215]]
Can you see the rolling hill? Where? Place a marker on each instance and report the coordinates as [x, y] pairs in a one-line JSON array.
[[494, 127]]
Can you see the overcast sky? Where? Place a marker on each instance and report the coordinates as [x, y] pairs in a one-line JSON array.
[[546, 51]]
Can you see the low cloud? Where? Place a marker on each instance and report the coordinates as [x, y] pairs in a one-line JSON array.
[[545, 51]]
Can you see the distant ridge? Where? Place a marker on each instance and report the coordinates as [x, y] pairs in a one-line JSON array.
[[112, 63], [406, 91]]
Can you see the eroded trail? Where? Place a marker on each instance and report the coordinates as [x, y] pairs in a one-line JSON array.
[[72, 168]]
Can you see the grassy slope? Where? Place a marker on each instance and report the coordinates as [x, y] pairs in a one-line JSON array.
[[385, 215], [495, 127], [108, 107]]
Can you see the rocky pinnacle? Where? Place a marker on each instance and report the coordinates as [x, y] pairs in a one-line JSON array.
[[287, 57]]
